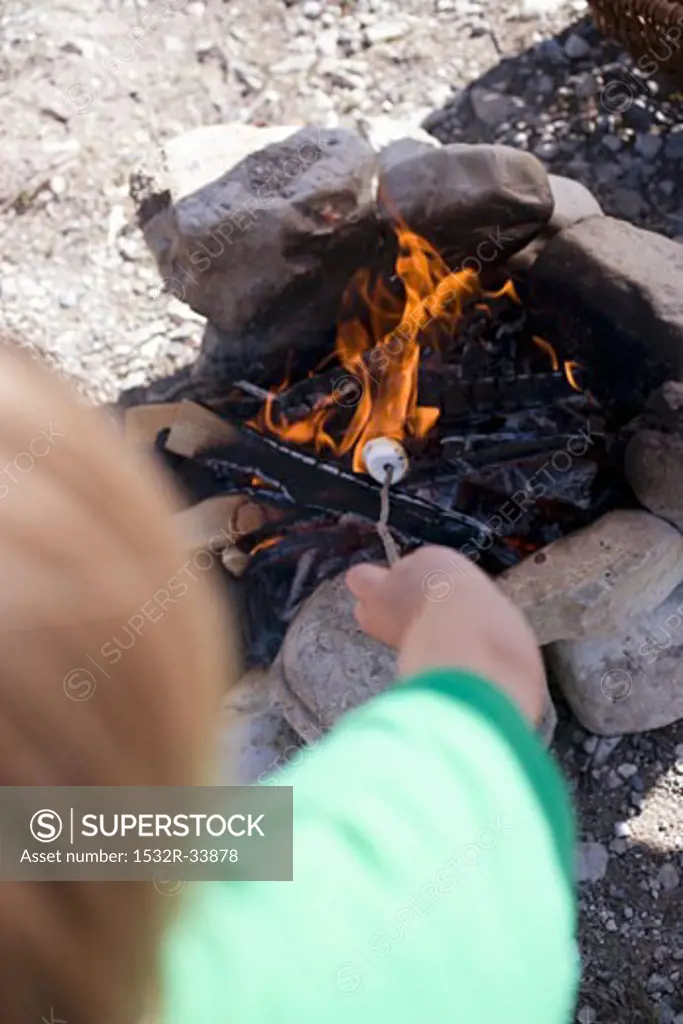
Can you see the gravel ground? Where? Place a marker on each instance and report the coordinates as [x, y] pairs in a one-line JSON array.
[[87, 92]]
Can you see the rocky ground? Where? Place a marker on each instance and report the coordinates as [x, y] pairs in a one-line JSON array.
[[88, 91]]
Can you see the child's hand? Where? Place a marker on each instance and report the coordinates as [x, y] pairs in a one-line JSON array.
[[438, 609]]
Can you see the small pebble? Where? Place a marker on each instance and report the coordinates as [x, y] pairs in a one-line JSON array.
[[546, 150], [612, 143], [648, 146], [385, 32], [605, 748], [591, 862], [673, 148], [67, 300], [58, 184], [576, 47], [590, 745], [668, 877]]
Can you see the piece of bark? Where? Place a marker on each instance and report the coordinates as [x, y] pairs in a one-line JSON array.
[[217, 522], [142, 423], [196, 429]]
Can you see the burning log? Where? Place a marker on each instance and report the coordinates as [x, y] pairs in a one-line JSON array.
[[305, 481]]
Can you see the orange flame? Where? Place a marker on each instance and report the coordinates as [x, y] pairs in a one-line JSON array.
[[570, 368], [547, 347], [381, 364], [270, 542]]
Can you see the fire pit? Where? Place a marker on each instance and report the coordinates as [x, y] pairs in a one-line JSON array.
[[442, 339]]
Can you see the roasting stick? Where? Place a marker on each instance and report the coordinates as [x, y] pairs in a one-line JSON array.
[[383, 530], [387, 462]]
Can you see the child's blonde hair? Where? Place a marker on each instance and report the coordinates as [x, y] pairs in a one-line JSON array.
[[85, 543]]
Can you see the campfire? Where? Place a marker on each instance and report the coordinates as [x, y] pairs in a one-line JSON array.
[[452, 373], [477, 402]]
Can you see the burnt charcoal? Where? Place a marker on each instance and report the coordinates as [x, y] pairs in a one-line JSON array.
[[282, 575], [570, 486], [309, 482], [488, 449], [496, 394]]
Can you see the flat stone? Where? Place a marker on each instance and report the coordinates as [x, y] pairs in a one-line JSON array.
[[462, 197], [630, 682], [654, 468], [329, 663], [629, 280], [327, 666], [265, 249], [591, 862], [592, 582]]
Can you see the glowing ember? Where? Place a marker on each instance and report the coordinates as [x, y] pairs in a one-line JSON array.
[[264, 544]]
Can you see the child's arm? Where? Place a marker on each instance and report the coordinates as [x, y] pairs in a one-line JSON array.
[[432, 848]]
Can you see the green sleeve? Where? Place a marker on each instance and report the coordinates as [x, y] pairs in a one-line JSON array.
[[432, 859]]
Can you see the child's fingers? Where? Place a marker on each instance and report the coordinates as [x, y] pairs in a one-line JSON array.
[[363, 579]]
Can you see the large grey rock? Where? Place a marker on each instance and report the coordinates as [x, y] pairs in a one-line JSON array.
[[593, 581], [620, 286], [654, 469], [200, 156], [482, 202], [328, 666], [266, 249], [629, 682], [573, 203]]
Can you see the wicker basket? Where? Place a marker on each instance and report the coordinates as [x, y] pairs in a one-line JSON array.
[[648, 29]]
